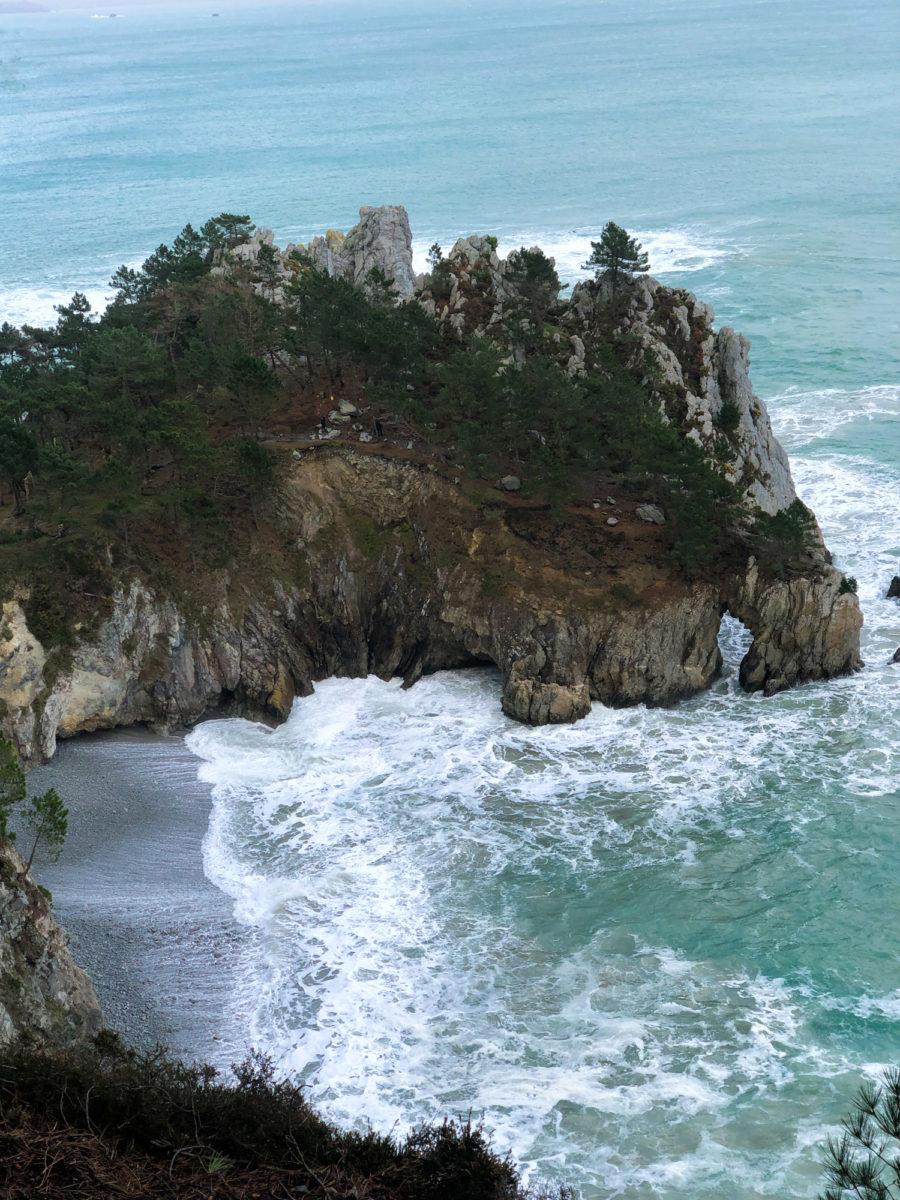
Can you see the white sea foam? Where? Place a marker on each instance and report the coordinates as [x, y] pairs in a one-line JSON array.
[[801, 419], [671, 251], [36, 306], [414, 962]]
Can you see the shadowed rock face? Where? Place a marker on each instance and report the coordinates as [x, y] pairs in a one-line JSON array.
[[403, 575], [42, 992]]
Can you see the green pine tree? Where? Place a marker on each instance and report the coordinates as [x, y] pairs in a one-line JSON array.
[[618, 253], [864, 1163], [48, 819]]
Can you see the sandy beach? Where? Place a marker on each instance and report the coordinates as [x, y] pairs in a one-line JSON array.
[[157, 939]]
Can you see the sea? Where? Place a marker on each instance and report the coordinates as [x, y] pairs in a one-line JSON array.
[[655, 952]]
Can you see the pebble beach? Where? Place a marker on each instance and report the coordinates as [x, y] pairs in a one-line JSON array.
[[157, 939]]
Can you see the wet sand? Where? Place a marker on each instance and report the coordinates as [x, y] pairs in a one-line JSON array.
[[156, 937]]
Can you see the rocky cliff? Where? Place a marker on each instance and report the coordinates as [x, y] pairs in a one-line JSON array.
[[42, 993], [395, 567], [398, 573], [381, 241]]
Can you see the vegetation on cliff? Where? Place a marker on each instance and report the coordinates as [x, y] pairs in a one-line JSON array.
[[150, 436], [45, 817], [107, 1120], [865, 1161]]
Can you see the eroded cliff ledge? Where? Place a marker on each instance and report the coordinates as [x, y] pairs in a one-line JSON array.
[[390, 559], [398, 573]]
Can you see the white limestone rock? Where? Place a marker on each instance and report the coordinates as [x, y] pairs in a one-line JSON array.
[[381, 241]]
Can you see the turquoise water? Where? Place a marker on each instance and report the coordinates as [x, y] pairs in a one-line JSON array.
[[758, 138], [657, 949]]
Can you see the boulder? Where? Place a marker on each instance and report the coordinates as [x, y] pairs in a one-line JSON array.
[[894, 588], [509, 483], [651, 514]]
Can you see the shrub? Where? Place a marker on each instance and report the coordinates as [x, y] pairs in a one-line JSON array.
[[779, 539], [729, 417], [108, 1112]]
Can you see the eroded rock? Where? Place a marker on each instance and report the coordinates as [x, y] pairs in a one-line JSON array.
[[42, 992], [436, 582]]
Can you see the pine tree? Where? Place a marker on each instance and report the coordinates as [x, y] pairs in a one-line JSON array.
[[618, 253], [864, 1164], [48, 819]]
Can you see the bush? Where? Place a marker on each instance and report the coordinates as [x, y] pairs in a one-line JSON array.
[[779, 539], [729, 417], [110, 1113]]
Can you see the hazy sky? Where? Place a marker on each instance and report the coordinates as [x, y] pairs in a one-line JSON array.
[[117, 6]]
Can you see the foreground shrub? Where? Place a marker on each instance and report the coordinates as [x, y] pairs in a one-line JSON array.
[[109, 1121]]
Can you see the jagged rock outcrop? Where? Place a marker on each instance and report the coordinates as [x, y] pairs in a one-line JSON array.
[[700, 376], [381, 241], [702, 372], [802, 627], [398, 573], [42, 993]]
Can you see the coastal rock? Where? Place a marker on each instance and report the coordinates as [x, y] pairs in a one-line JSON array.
[[42, 992], [403, 575], [804, 628], [381, 241], [894, 588], [400, 574], [698, 373], [576, 363]]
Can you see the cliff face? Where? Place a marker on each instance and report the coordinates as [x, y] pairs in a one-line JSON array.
[[399, 574], [42, 993]]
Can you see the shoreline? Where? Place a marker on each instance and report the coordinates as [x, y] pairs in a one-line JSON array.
[[158, 940]]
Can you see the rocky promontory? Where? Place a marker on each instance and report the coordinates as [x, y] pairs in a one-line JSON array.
[[393, 561]]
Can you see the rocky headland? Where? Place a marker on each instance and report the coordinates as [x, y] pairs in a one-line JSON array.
[[396, 562]]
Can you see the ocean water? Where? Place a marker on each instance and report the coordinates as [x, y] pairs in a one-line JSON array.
[[656, 950]]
